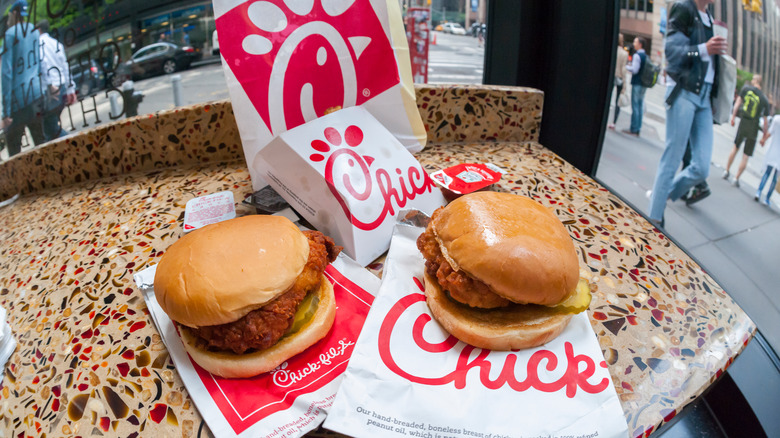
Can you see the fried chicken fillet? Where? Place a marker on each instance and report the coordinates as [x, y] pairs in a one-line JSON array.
[[457, 284], [263, 327]]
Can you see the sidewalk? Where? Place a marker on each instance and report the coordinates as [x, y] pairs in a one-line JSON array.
[[734, 238]]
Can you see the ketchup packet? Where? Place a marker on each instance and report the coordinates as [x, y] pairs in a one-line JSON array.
[[409, 377], [465, 178], [209, 209], [293, 398]]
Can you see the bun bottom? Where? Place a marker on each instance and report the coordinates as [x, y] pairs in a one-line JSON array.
[[507, 328], [231, 365]]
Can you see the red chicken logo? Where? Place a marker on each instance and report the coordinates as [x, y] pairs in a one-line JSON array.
[[297, 58]]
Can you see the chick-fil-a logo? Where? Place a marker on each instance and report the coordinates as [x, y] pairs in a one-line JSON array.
[[284, 378], [297, 58], [572, 379], [395, 190]]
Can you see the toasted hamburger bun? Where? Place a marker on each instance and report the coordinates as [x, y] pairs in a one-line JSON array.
[[512, 243], [522, 252], [231, 365], [221, 272], [505, 328]]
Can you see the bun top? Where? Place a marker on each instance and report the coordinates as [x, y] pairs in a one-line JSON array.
[[219, 273], [512, 243]]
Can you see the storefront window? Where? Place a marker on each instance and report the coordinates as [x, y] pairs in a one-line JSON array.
[[101, 65], [120, 58]]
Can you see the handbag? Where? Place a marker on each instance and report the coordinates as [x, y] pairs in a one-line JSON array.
[[727, 83], [623, 100]]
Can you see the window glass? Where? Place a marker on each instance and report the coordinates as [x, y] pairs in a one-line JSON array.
[[446, 40], [112, 67]]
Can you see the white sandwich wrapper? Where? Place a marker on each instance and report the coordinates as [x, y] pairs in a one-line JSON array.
[[409, 377], [209, 209], [348, 176], [294, 398], [7, 341]]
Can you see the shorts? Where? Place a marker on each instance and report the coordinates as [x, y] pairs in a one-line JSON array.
[[747, 132]]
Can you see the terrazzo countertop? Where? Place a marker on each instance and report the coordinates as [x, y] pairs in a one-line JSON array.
[[90, 361]]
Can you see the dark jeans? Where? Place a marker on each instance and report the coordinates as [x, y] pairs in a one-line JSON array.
[[617, 107], [51, 119], [26, 117]]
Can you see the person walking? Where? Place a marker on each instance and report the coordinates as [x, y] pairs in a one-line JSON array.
[[21, 84], [751, 105], [59, 89], [692, 53], [771, 160], [700, 190], [620, 75], [637, 89]]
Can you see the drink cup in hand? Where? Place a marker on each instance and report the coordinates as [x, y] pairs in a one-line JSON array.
[[717, 45]]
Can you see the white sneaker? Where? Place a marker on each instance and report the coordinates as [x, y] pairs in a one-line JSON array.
[[726, 174], [648, 194], [735, 183]]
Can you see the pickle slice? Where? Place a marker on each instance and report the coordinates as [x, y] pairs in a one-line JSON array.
[[305, 313], [578, 301]]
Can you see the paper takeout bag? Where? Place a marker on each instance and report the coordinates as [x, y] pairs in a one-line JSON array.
[[293, 398], [288, 62], [349, 177], [409, 377]]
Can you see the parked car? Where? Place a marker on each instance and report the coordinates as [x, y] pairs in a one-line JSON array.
[[157, 58], [454, 28], [87, 77]]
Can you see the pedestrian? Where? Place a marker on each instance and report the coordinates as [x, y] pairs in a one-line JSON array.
[[771, 160], [692, 53], [59, 89], [620, 72], [637, 89], [700, 190], [20, 80], [751, 105]]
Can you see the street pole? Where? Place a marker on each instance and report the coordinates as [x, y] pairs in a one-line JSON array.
[[176, 85], [467, 8]]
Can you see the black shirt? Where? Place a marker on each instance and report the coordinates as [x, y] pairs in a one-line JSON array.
[[754, 103]]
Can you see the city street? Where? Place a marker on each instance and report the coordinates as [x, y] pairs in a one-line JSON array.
[[201, 83], [455, 59]]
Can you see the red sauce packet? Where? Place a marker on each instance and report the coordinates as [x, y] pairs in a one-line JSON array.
[[465, 178]]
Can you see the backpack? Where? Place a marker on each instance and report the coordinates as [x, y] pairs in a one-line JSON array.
[[648, 74]]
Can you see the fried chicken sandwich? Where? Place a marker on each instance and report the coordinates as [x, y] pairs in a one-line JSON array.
[[248, 293], [501, 271]]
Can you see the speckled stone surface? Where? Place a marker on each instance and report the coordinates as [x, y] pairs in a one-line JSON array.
[[208, 133], [477, 113], [200, 134], [90, 361]]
